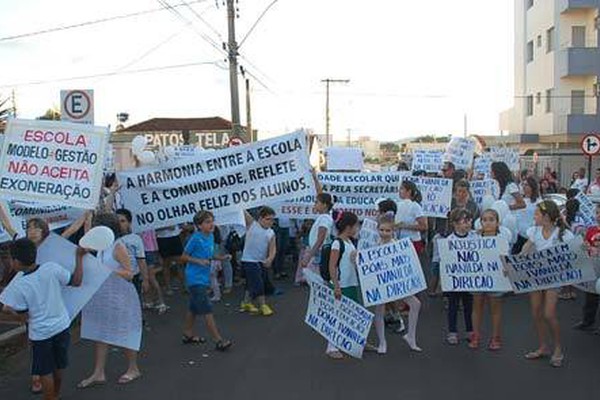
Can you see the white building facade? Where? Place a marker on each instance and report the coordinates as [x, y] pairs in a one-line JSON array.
[[557, 70]]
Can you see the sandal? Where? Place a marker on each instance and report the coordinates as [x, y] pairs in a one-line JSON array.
[[495, 344], [36, 386], [223, 345], [335, 355], [126, 379], [192, 339], [536, 355], [474, 340], [86, 384], [369, 348]]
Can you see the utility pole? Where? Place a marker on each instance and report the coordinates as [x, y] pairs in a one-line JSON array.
[[465, 125], [248, 112], [327, 82], [14, 104], [233, 70]]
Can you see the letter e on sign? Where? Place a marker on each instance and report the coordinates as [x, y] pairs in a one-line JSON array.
[[77, 106], [590, 145]]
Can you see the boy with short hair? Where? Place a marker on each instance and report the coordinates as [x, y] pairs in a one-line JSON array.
[[36, 290], [260, 249]]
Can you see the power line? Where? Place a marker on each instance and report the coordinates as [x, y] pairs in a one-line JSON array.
[[93, 22], [257, 21], [199, 16], [113, 73]]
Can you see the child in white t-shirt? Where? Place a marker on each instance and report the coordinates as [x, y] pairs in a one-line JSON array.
[[36, 290], [342, 266], [259, 253], [549, 230]]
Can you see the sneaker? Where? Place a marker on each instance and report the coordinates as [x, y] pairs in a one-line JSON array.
[[214, 299], [244, 307], [265, 310], [452, 339], [162, 308]]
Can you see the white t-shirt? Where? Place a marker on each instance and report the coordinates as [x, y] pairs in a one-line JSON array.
[[541, 243], [509, 192], [594, 189], [39, 293], [580, 183], [348, 276], [325, 221], [409, 217], [256, 245], [525, 216], [135, 248]]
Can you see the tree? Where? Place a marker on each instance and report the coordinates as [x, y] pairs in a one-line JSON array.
[[431, 139], [5, 112], [51, 114]]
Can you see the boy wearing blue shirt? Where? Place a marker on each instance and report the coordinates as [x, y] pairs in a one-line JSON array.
[[36, 290], [198, 255]]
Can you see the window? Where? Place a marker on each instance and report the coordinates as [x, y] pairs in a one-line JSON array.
[[577, 101], [578, 36], [539, 41], [538, 98], [530, 51], [549, 100], [550, 40], [529, 110], [529, 4]]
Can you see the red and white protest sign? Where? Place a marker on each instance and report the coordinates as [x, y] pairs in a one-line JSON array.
[[53, 162]]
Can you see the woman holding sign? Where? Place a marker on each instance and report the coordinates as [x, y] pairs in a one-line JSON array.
[[113, 316], [410, 220], [549, 231]]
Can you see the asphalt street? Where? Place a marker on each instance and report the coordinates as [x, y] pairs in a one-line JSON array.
[[279, 357]]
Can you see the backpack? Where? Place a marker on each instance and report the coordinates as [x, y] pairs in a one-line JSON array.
[[233, 242], [325, 254]]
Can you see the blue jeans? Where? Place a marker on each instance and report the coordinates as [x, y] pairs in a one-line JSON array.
[[255, 283], [454, 298]]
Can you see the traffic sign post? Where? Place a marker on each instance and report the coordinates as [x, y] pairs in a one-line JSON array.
[[590, 145], [77, 106]]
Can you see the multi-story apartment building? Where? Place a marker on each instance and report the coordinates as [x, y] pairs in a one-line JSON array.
[[557, 70]]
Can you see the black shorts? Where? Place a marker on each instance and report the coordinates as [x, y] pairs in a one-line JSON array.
[[170, 247], [50, 354]]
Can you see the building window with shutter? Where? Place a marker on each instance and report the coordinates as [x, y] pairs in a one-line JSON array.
[[550, 40], [549, 100], [530, 51], [529, 106], [577, 101]]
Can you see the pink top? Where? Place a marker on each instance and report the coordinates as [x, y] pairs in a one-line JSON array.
[[149, 239]]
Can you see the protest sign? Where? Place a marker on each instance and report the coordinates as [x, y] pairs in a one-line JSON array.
[[224, 180], [562, 265], [590, 286], [482, 166], [436, 193], [53, 161], [390, 272], [354, 192], [56, 216], [427, 160], [587, 210], [114, 315], [59, 250], [344, 159], [479, 189], [460, 152], [507, 155], [344, 323], [369, 234], [473, 265]]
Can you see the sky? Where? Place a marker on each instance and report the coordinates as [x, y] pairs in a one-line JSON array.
[[415, 67]]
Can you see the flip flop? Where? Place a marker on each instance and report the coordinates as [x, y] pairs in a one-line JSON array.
[[126, 379], [223, 345], [86, 385], [536, 355], [369, 348], [192, 339], [335, 355]]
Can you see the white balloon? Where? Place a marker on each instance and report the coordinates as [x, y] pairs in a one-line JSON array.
[[598, 286], [138, 144], [146, 157], [169, 151], [502, 209], [98, 238], [487, 201]]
